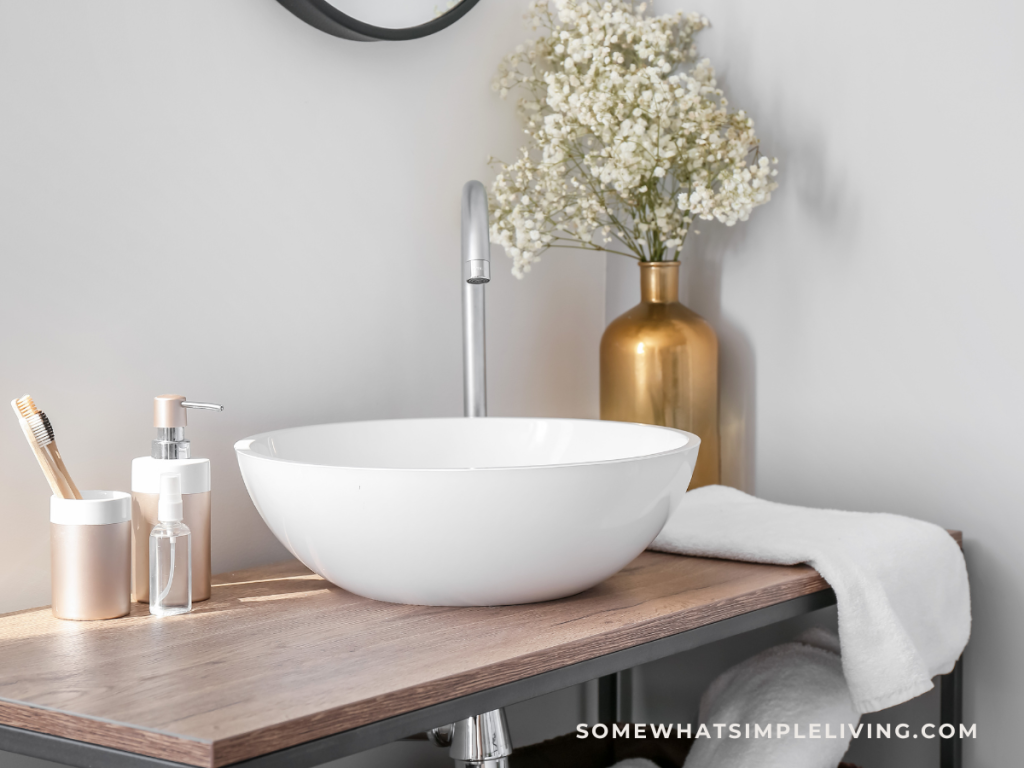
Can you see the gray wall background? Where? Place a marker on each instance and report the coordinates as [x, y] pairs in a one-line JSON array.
[[870, 315], [214, 199]]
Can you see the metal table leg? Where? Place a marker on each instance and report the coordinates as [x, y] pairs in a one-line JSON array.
[[608, 698], [615, 698], [951, 693]]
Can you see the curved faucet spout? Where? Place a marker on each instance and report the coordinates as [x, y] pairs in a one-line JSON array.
[[476, 272], [476, 242]]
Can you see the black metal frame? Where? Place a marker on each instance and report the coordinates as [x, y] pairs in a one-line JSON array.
[[313, 753], [951, 710], [325, 17]]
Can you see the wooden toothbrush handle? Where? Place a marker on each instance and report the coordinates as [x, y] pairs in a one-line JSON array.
[[62, 470], [59, 488]]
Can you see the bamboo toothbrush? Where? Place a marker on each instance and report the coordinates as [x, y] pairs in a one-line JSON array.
[[45, 462], [42, 438]]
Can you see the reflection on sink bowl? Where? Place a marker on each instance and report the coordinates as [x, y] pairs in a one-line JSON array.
[[486, 511]]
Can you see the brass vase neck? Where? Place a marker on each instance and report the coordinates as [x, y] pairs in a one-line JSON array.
[[659, 281]]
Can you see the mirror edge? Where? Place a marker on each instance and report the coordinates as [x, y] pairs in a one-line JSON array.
[[327, 18]]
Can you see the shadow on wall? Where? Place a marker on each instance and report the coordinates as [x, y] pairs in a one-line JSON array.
[[808, 180], [701, 290], [816, 194]]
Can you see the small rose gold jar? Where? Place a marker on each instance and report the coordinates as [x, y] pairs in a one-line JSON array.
[[91, 555]]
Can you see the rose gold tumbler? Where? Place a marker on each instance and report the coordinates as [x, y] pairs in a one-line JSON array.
[[90, 555]]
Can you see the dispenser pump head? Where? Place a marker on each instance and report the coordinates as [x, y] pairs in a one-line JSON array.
[[169, 420], [168, 508]]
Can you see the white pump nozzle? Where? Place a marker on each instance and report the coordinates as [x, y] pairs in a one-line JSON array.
[[169, 506]]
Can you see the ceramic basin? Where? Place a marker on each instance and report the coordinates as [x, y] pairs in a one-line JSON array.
[[486, 511]]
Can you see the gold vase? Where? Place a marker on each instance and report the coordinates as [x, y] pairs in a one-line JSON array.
[[659, 365]]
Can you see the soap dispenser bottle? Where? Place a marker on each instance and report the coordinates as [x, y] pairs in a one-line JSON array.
[[170, 453]]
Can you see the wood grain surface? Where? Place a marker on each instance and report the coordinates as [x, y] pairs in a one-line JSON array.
[[278, 656]]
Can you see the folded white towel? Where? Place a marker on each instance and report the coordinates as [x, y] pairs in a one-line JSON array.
[[900, 584], [635, 762], [799, 685]]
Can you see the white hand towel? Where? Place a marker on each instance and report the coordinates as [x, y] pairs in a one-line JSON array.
[[799, 685], [901, 584]]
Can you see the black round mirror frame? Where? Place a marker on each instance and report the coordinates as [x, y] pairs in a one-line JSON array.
[[327, 18]]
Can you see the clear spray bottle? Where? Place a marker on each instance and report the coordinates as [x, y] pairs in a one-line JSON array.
[[170, 554]]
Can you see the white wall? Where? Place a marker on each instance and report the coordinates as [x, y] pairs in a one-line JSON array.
[[218, 200], [307, 191], [215, 199], [870, 315]]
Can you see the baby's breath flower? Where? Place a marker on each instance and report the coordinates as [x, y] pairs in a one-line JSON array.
[[628, 136]]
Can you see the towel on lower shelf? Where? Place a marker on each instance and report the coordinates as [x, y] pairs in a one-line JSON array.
[[901, 584], [797, 684], [631, 752]]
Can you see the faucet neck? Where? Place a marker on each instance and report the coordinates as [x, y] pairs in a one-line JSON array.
[[476, 258], [659, 282]]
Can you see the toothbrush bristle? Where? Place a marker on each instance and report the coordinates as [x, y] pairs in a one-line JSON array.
[[41, 428], [26, 406]]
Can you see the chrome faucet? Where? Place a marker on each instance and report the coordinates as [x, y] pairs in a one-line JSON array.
[[476, 272], [481, 741]]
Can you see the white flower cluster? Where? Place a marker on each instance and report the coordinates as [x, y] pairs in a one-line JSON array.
[[630, 139]]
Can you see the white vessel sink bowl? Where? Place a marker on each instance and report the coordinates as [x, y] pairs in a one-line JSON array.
[[457, 511]]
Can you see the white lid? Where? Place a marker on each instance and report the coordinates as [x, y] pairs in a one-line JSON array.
[[146, 471], [168, 508], [94, 508]]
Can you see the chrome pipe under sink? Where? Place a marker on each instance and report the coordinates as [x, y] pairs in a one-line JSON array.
[[481, 741]]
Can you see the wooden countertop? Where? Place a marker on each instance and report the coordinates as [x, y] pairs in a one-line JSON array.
[[279, 657]]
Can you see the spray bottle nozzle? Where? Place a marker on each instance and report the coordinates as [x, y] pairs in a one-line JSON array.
[[169, 506]]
